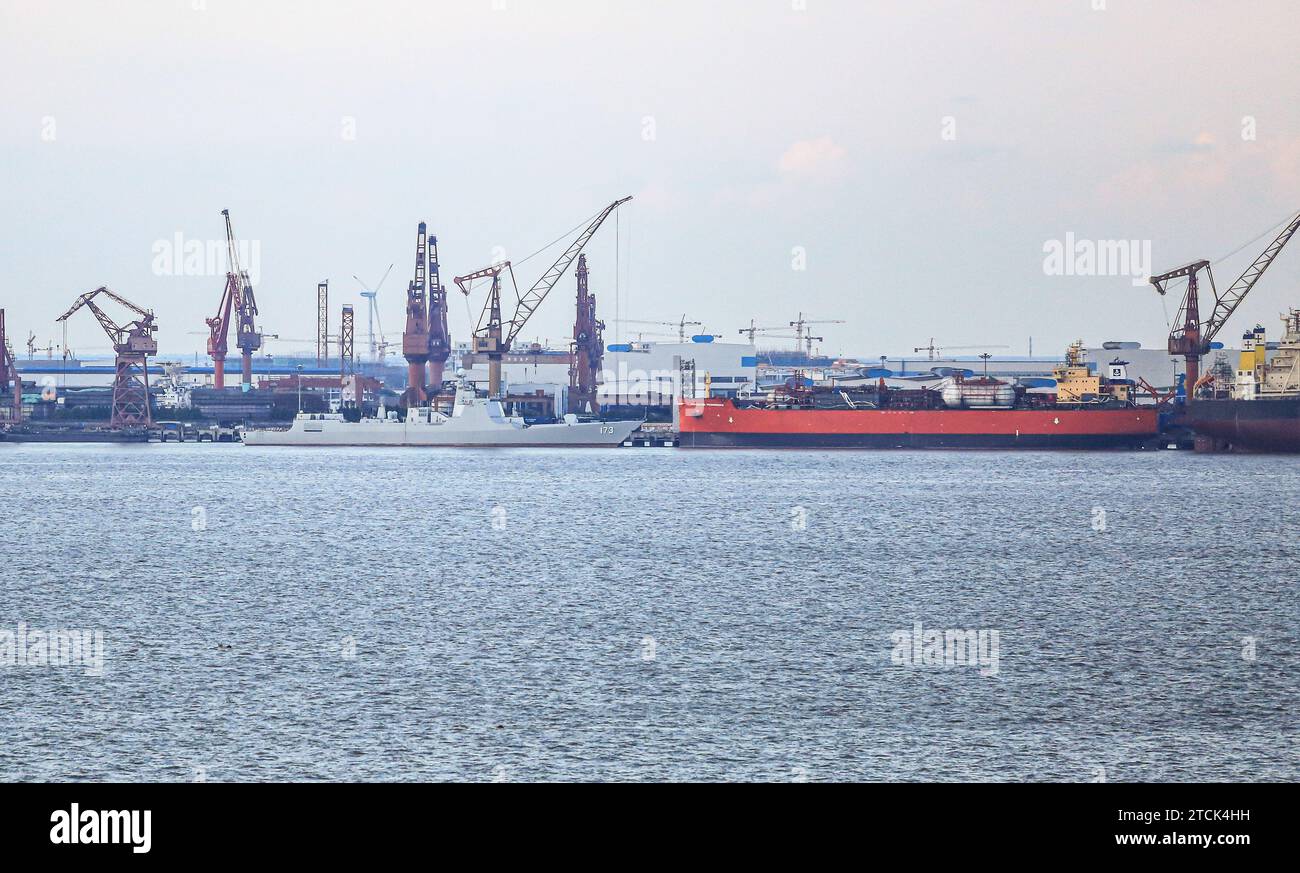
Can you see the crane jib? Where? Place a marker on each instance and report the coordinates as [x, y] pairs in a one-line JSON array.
[[533, 297], [1188, 323]]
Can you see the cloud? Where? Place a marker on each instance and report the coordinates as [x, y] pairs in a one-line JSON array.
[[660, 195], [1202, 142], [813, 157], [1205, 171]]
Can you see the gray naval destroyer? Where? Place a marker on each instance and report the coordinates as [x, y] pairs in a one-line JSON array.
[[475, 422]]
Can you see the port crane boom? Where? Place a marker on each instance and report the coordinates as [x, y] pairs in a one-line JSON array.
[[494, 335], [533, 297], [1191, 336]]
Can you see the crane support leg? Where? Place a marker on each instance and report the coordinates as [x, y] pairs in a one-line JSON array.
[[131, 392]]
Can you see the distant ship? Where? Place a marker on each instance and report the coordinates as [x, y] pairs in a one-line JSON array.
[[475, 422], [1082, 411]]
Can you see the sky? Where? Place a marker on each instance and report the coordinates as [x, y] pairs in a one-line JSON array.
[[903, 167]]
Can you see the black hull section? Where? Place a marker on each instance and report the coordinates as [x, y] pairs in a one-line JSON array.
[[695, 440], [1271, 425], [74, 437]]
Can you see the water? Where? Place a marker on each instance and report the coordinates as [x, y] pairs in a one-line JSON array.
[[415, 614]]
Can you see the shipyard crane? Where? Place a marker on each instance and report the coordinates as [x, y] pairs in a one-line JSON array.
[[237, 298], [932, 348], [588, 347], [493, 336], [415, 339], [9, 373], [681, 324], [1191, 336], [133, 343], [439, 335]]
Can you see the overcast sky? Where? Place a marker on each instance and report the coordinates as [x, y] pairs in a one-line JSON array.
[[913, 157]]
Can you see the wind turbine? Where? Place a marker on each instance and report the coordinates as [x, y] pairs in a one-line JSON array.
[[371, 296]]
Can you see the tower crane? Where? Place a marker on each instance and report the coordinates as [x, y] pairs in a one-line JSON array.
[[752, 330], [494, 336], [1191, 336], [133, 343], [800, 325], [237, 298], [807, 339], [681, 324], [33, 348], [932, 348]]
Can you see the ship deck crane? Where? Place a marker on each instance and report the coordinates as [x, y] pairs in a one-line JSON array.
[[133, 343], [493, 335], [1191, 336], [237, 298]]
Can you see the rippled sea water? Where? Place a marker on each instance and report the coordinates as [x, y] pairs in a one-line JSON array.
[[649, 614]]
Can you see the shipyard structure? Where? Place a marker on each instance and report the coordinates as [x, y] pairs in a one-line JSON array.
[[697, 389]]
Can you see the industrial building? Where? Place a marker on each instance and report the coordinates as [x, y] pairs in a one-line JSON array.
[[643, 373]]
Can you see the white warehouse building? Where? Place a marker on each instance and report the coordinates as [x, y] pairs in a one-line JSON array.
[[633, 374], [644, 373]]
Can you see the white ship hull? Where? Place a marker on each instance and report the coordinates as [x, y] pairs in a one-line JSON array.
[[474, 423]]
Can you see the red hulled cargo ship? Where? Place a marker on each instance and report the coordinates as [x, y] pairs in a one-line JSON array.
[[721, 423], [1081, 411]]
